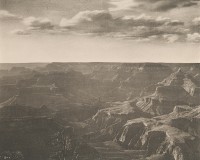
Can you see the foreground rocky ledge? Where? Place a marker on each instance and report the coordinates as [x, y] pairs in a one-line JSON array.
[[173, 136]]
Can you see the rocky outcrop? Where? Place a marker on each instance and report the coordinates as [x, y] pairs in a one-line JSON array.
[[175, 79], [131, 132], [177, 89], [175, 136], [187, 81], [109, 120]]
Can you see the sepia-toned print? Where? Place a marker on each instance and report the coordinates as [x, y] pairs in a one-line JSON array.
[[99, 80]]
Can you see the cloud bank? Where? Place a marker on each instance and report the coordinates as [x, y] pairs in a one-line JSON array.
[[38, 23], [195, 37], [103, 21], [142, 27], [153, 5]]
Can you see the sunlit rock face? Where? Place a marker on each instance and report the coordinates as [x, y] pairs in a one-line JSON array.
[[109, 120], [175, 135], [177, 89]]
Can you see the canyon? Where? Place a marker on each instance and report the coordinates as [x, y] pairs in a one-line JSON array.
[[100, 111]]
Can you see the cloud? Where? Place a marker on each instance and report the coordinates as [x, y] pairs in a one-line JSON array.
[[35, 24], [143, 20], [196, 21], [122, 5], [87, 16], [91, 21], [153, 5], [38, 23], [5, 15], [103, 22], [142, 28], [171, 38], [194, 37], [139, 28], [20, 32], [195, 25]]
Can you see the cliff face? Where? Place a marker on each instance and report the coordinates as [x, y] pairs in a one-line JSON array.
[[120, 109], [165, 124], [109, 121], [177, 89], [164, 99], [175, 136]]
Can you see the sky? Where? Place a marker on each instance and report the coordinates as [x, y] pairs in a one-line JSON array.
[[99, 31]]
